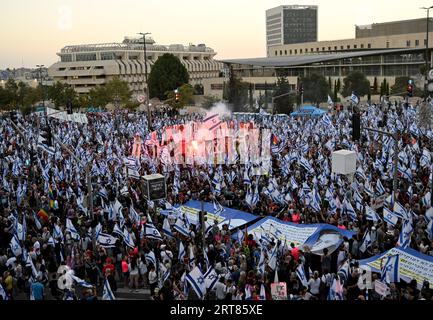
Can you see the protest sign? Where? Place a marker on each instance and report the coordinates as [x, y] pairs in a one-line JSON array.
[[279, 291]]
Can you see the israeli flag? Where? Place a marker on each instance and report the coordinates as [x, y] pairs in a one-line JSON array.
[[390, 272], [210, 278], [81, 282], [426, 200], [3, 293], [74, 233], [180, 227], [371, 214], [354, 98], [51, 242], [366, 242], [336, 290], [191, 257], [166, 228], [218, 208], [300, 272], [37, 222], [344, 270], [272, 262], [15, 246], [400, 211], [127, 239], [330, 102], [379, 187], [57, 233], [117, 230], [152, 232], [197, 281], [106, 240], [247, 179], [107, 294], [349, 210], [23, 233], [405, 234], [389, 216], [181, 255], [134, 216], [150, 258]]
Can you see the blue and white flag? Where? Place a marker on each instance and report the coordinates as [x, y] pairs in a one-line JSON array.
[[400, 211], [3, 293], [217, 207], [152, 232], [117, 230], [336, 290], [37, 222], [354, 98], [81, 282], [211, 278], [71, 228], [371, 214], [330, 102], [389, 216], [127, 239], [23, 230], [197, 281], [426, 200], [405, 234], [15, 246], [182, 253], [300, 272], [166, 228], [379, 187], [344, 270], [106, 240], [180, 226], [134, 216], [107, 294], [347, 206], [150, 258], [390, 272], [366, 242]]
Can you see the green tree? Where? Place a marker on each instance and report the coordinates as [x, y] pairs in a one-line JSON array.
[[115, 91], [237, 92], [316, 88], [329, 84], [356, 82], [383, 87], [375, 86], [335, 95], [12, 98], [186, 96], [283, 104], [338, 85], [167, 74], [60, 93], [209, 101]]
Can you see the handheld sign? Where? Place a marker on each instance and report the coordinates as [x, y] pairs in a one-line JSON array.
[[279, 291]]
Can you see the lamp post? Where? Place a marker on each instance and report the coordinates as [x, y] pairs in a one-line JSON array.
[[426, 53], [40, 66], [146, 87]]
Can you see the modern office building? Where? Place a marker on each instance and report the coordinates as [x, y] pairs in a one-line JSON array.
[[86, 66], [291, 24], [389, 35]]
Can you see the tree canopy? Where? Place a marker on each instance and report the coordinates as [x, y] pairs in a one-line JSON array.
[[283, 104], [356, 82], [167, 74], [316, 88], [115, 91]]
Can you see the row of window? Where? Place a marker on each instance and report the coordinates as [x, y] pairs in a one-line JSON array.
[[295, 51]]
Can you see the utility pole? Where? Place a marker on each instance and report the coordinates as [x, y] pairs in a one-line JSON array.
[[146, 86], [427, 58], [40, 66], [395, 137]]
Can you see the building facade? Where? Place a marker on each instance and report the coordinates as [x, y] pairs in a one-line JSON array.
[[86, 66], [291, 24], [390, 35]]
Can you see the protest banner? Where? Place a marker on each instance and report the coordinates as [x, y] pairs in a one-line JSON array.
[[279, 291]]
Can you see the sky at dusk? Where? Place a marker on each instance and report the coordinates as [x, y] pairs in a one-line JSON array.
[[33, 31]]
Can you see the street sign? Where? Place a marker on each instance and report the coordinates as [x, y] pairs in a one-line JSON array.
[[154, 187], [430, 74]]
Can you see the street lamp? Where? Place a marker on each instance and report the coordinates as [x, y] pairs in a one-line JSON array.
[[426, 53], [146, 87], [40, 66]]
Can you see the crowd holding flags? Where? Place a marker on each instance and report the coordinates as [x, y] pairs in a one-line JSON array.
[[298, 187]]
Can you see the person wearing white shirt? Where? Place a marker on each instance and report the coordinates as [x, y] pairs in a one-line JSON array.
[[220, 289], [314, 284]]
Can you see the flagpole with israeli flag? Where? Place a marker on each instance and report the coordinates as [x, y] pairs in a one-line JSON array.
[[107, 294]]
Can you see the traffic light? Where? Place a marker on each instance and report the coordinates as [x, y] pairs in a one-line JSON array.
[[177, 95], [301, 89], [356, 127], [69, 106], [410, 90]]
